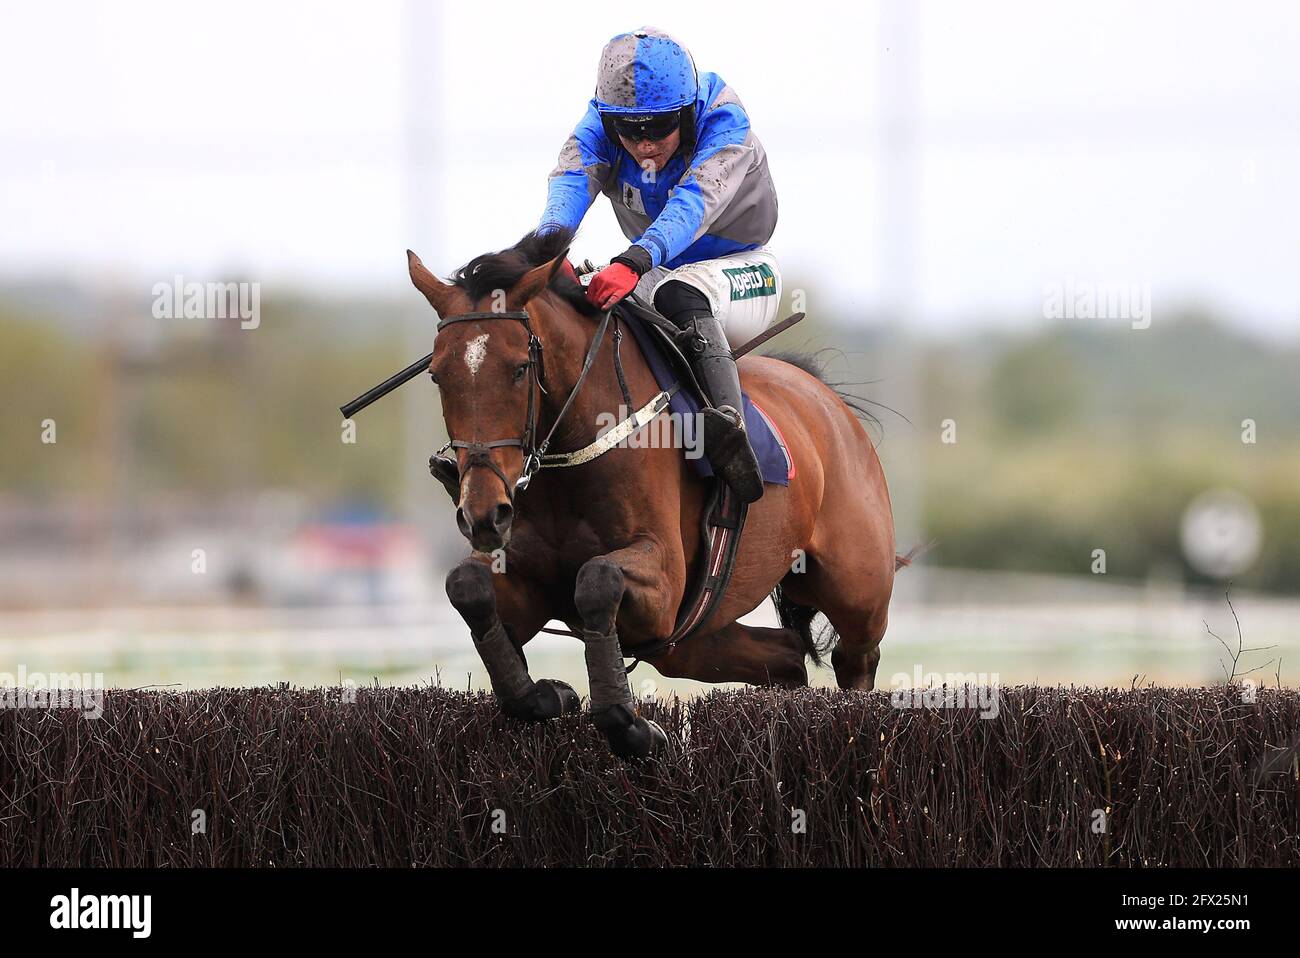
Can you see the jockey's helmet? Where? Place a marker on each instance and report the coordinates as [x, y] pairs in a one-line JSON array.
[[646, 87]]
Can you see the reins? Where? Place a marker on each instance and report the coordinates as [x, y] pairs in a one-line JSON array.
[[534, 453]]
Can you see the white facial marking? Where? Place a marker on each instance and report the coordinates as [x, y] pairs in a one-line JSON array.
[[475, 350]]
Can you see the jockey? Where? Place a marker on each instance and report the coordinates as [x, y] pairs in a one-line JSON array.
[[688, 180]]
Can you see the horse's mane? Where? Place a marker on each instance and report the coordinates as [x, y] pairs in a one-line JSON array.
[[492, 271]]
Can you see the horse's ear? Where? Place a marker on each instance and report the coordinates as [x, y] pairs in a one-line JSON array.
[[437, 292], [557, 263], [533, 282]]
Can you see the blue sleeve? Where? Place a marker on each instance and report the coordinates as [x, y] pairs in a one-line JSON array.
[[583, 167], [711, 180]]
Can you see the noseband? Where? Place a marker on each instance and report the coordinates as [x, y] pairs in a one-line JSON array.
[[480, 453]]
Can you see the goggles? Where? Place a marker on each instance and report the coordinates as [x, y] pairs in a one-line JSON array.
[[653, 127]]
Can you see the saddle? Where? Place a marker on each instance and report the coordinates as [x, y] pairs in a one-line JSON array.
[[670, 341]]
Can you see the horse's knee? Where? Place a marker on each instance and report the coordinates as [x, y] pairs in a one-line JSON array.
[[597, 595], [469, 588]]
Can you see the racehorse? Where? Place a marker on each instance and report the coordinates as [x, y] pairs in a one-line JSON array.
[[608, 546]]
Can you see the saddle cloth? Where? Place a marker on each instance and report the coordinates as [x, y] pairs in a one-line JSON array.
[[770, 448]]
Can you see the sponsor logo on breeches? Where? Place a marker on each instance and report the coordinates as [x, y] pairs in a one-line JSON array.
[[750, 281]]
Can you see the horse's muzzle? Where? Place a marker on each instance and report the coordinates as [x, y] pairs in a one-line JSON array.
[[489, 531]]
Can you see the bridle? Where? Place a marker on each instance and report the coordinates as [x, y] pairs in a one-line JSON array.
[[480, 453]]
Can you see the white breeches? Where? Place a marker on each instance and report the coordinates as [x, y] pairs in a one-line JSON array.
[[744, 290]]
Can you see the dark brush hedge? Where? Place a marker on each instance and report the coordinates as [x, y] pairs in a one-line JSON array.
[[403, 777]]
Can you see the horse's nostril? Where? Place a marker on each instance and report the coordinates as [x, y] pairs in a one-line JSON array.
[[493, 524]]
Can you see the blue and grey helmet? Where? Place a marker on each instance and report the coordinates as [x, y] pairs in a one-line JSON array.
[[643, 74]]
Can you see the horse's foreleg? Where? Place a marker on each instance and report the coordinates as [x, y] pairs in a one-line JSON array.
[[598, 595], [474, 591]]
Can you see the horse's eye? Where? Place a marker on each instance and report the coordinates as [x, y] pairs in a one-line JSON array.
[[520, 371]]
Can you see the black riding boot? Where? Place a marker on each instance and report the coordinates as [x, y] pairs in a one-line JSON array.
[[726, 443]]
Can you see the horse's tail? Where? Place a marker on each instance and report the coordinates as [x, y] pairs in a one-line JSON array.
[[799, 618]]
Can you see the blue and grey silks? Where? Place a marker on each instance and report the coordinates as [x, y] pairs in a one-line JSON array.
[[715, 198]]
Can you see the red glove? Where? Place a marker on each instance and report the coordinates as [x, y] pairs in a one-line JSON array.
[[611, 284]]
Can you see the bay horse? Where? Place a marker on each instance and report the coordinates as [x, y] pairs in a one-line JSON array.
[[608, 547]]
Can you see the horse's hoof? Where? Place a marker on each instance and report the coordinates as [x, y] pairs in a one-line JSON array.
[[565, 698], [659, 738], [548, 699], [629, 735]]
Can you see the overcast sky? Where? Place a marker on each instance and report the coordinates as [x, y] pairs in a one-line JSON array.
[[1111, 142]]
